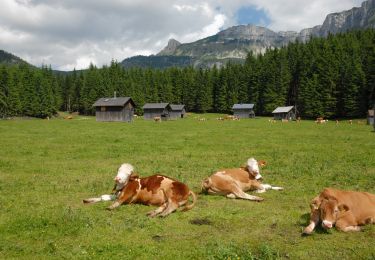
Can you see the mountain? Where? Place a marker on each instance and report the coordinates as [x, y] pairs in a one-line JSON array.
[[234, 43], [170, 48], [10, 59]]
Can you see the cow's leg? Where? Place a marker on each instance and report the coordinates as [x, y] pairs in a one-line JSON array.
[[349, 228], [121, 199], [314, 220], [347, 223], [231, 196], [157, 211], [98, 199], [242, 195], [114, 205], [263, 187], [172, 206]]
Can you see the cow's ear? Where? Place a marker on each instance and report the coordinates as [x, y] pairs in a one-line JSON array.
[[315, 203], [262, 163], [330, 197], [133, 176], [343, 207]]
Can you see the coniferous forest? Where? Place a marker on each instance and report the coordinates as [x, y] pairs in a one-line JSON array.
[[330, 77]]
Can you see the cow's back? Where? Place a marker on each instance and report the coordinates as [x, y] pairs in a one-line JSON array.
[[361, 204], [238, 174]]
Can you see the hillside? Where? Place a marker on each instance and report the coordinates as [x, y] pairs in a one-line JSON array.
[[10, 59], [236, 42]]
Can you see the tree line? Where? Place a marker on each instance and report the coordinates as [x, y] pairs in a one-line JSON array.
[[329, 77]]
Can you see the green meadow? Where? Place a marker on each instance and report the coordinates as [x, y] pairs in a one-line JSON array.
[[48, 166]]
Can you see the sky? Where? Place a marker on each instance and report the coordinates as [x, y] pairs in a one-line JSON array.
[[68, 34]]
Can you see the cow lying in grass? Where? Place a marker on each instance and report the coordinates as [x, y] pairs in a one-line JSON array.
[[347, 210], [233, 183], [157, 190]]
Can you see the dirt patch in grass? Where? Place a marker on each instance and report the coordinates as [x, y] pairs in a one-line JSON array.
[[200, 221]]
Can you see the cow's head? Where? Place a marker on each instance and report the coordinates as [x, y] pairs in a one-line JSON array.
[[122, 176], [330, 211], [253, 167]]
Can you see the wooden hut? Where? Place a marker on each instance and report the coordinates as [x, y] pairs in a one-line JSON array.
[[370, 116], [177, 111], [243, 110], [114, 109], [286, 113], [152, 110]]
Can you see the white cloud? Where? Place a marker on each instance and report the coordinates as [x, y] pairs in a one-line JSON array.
[[70, 33]]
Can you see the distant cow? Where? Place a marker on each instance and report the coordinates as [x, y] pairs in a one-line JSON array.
[[233, 183], [347, 210], [157, 190]]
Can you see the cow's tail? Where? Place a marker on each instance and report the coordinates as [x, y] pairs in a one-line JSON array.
[[206, 184], [190, 206]]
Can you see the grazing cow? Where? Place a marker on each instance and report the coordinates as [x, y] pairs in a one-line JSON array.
[[347, 210], [157, 119], [157, 190], [233, 183]]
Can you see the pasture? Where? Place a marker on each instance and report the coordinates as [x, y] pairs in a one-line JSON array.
[[48, 166]]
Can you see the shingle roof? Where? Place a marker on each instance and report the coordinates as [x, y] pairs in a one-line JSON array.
[[243, 106], [111, 102], [282, 109], [177, 107], [155, 105]]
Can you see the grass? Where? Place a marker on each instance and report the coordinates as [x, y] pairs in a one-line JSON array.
[[48, 166]]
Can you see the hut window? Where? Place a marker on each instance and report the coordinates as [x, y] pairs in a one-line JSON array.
[[102, 109]]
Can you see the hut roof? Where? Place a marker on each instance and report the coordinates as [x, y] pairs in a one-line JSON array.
[[155, 105], [177, 107], [371, 112], [243, 106], [282, 109], [112, 102]]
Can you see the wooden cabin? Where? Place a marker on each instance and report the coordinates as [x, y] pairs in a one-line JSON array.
[[152, 110], [284, 113], [243, 110], [177, 111], [114, 109], [370, 116]]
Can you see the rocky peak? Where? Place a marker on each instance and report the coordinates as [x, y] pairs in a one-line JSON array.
[[170, 48]]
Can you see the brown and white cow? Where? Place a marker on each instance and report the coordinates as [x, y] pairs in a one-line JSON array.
[[233, 183], [156, 190], [347, 210]]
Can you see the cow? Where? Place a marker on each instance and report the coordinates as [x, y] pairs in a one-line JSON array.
[[233, 183], [347, 210], [156, 190]]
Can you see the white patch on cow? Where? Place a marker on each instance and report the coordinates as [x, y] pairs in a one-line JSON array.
[[252, 166], [123, 175]]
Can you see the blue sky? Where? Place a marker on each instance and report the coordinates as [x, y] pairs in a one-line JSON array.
[[252, 15]]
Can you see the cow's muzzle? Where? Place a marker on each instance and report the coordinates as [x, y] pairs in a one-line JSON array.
[[327, 224]]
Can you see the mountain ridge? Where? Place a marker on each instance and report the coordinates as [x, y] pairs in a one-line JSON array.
[[234, 43]]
